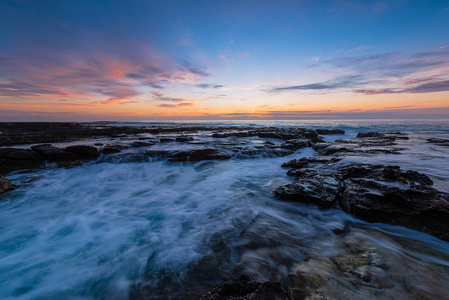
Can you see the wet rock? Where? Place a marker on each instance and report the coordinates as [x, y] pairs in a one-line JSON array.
[[303, 162], [312, 186], [330, 131], [234, 134], [393, 196], [295, 144], [367, 142], [439, 142], [12, 159], [243, 287], [85, 151], [393, 135], [184, 139], [55, 154], [5, 185], [142, 144], [198, 155], [114, 148], [166, 140]]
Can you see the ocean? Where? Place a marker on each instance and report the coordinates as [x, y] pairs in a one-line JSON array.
[[114, 229]]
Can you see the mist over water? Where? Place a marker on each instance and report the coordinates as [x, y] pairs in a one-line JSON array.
[[173, 230]]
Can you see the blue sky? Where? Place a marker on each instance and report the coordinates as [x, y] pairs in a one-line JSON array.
[[87, 60]]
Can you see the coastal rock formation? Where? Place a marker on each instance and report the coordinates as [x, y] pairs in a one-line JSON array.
[[365, 143], [85, 151], [305, 161], [330, 131], [184, 138], [140, 144], [311, 186], [5, 185], [374, 193], [242, 287], [12, 159], [114, 148]]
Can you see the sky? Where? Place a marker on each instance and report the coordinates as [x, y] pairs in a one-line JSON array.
[[204, 60]]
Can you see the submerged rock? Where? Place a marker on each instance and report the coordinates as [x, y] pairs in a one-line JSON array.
[[243, 287], [439, 142], [5, 185], [330, 131], [198, 155]]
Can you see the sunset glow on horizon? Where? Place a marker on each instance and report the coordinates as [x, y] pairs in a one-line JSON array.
[[205, 60]]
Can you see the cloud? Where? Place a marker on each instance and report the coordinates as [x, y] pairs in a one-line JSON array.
[[184, 104], [342, 82], [91, 71], [360, 48], [384, 73], [315, 58], [209, 86], [430, 87]]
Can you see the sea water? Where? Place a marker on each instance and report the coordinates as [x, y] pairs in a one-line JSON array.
[[173, 230]]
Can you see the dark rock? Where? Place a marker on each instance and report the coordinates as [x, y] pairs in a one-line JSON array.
[[330, 131], [439, 142], [141, 144], [54, 154], [12, 159], [393, 196], [184, 138], [115, 148], [86, 151], [383, 135], [303, 162], [166, 140], [312, 186], [235, 134], [243, 287], [19, 154], [295, 144], [199, 155], [5, 185]]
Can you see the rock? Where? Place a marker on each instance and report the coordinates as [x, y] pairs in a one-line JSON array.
[[5, 185], [439, 142], [142, 144], [303, 162], [242, 287], [383, 135], [19, 154], [393, 196], [312, 186], [295, 144], [236, 134], [330, 131], [166, 140], [198, 155], [67, 156], [184, 138], [86, 151], [115, 148], [12, 159], [53, 154]]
